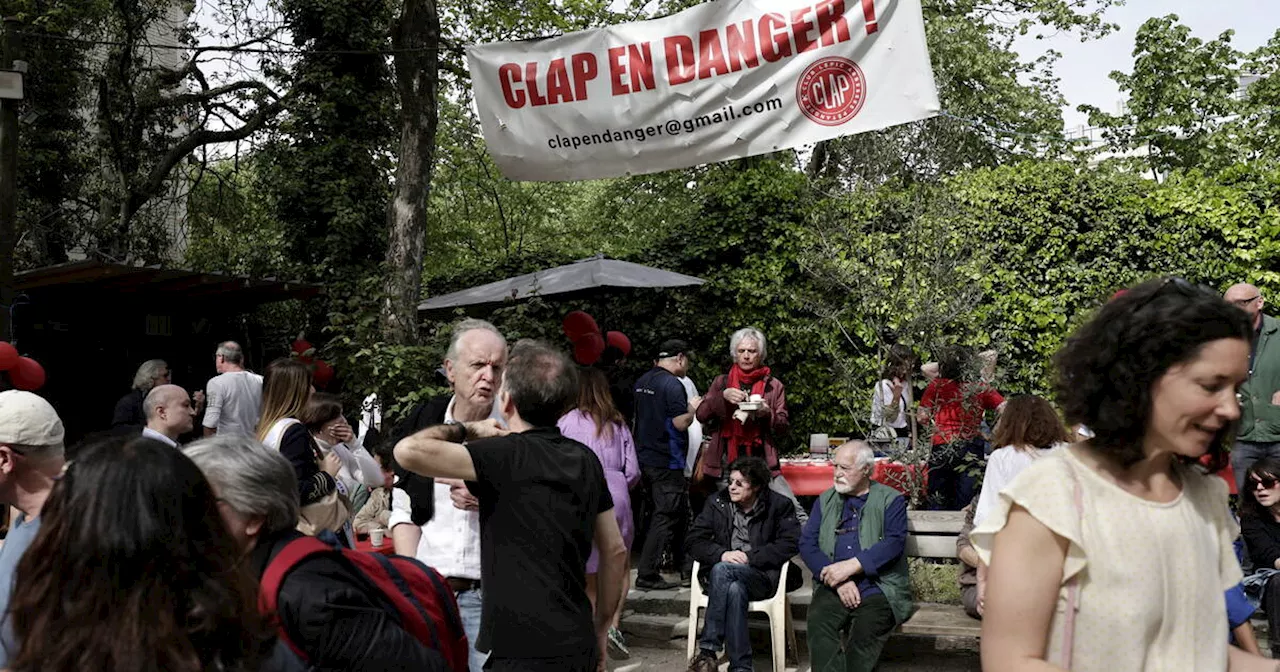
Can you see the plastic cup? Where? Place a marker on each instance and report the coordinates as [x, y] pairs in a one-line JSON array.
[[376, 535]]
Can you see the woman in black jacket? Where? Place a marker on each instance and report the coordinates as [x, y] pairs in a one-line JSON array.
[[742, 538], [334, 615], [1260, 527]]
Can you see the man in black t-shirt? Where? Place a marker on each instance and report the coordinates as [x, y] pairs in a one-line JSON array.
[[543, 502]]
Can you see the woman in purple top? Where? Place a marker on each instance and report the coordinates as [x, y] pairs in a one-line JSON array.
[[598, 424]]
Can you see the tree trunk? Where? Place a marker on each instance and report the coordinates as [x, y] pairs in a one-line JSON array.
[[416, 39]]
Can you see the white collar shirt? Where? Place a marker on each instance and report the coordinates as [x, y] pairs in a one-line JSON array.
[[153, 434], [450, 541]]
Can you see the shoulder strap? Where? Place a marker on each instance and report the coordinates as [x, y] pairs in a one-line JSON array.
[[269, 594], [275, 436], [1073, 587]]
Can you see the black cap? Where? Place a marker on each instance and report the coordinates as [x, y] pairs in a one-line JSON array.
[[671, 348]]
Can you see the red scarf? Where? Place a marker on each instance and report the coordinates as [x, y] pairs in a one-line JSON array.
[[744, 435]]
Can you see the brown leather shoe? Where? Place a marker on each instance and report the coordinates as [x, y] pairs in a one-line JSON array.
[[702, 662]]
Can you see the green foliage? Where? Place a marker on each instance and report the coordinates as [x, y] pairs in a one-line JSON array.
[[54, 137], [981, 78], [401, 375], [233, 226], [1256, 128], [1015, 257], [1181, 92], [937, 582], [327, 167]]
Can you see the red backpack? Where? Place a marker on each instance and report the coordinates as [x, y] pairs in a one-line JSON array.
[[425, 605]]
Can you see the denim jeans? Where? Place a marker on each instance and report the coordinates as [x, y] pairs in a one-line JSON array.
[[730, 587], [1244, 454], [469, 609]]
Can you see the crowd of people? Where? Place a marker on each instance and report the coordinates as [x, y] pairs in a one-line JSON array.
[[1109, 545]]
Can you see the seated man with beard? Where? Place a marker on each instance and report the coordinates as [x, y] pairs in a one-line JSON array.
[[855, 545]]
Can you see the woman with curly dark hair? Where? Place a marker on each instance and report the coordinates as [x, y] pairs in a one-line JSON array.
[[1114, 553], [134, 570]]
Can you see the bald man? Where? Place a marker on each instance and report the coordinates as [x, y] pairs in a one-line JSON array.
[[169, 414], [1259, 434]]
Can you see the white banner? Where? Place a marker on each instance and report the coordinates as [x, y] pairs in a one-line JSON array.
[[721, 80]]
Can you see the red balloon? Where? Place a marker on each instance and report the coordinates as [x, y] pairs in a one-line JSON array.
[[578, 324], [588, 348], [323, 374], [618, 340], [303, 347], [8, 356], [27, 374]]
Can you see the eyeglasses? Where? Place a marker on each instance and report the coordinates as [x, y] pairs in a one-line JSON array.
[[1266, 482], [1244, 302], [739, 483]]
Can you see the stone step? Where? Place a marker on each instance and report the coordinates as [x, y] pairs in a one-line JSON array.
[[939, 628], [656, 628], [930, 618], [677, 601]]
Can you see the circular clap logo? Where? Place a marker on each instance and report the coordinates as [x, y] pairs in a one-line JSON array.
[[831, 90]]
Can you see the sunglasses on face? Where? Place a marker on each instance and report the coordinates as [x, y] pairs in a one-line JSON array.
[[1266, 482]]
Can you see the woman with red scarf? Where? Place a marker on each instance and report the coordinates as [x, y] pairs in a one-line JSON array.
[[745, 411]]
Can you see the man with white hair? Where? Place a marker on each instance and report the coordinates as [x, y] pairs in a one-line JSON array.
[[1258, 435], [438, 520], [855, 545], [234, 395], [169, 414], [544, 503], [31, 438], [129, 410]]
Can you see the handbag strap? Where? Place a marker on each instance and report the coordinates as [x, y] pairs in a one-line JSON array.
[[1073, 586]]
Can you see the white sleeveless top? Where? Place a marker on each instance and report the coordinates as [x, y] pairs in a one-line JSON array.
[[1152, 575]]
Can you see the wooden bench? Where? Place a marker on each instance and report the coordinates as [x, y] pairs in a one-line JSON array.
[[933, 534]]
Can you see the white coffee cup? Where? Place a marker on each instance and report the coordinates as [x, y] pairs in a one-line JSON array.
[[375, 536]]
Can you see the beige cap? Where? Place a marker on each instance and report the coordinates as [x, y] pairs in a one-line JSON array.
[[26, 419]]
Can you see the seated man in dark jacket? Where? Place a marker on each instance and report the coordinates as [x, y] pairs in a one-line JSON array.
[[334, 615], [742, 538]]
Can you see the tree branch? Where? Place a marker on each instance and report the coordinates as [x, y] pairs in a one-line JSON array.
[[160, 172]]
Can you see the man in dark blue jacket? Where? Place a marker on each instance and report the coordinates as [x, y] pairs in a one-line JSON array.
[[663, 415]]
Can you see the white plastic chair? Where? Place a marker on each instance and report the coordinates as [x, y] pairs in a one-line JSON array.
[[777, 608]]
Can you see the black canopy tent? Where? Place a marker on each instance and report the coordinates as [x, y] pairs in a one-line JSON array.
[[91, 323]]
